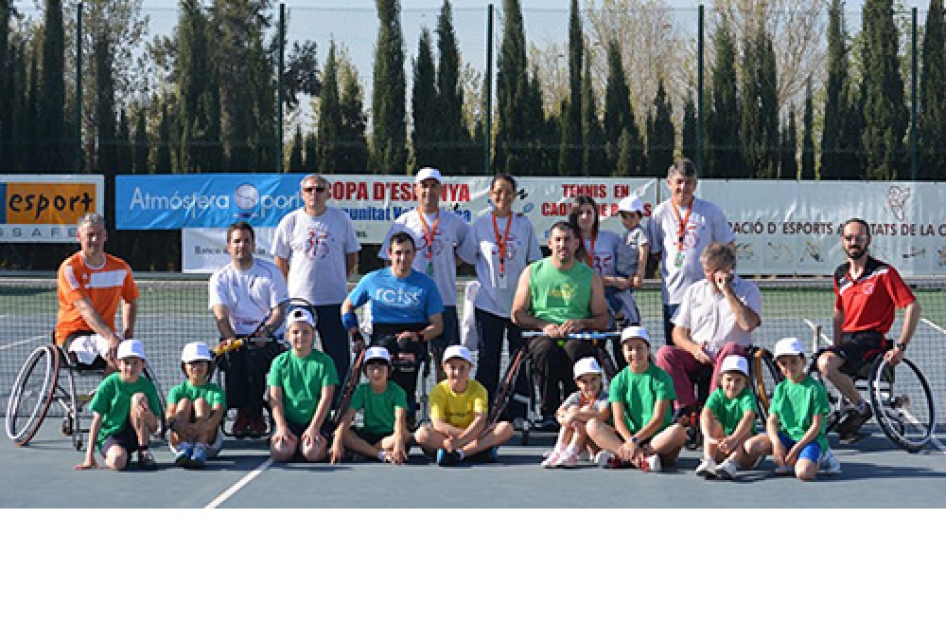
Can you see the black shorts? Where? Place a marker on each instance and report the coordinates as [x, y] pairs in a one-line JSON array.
[[370, 437], [859, 349], [126, 438], [327, 429]]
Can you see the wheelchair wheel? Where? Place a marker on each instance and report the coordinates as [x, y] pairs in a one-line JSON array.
[[835, 401], [764, 375], [161, 413], [32, 394], [507, 386], [903, 404]]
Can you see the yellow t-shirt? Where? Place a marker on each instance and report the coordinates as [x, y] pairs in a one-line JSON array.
[[458, 409]]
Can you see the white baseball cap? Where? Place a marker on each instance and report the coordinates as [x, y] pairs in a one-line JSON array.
[[458, 352], [131, 348], [635, 332], [376, 353], [428, 173], [300, 315], [587, 365], [789, 346], [631, 204], [196, 351], [735, 363]]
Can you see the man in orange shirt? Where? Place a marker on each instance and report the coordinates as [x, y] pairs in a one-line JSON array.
[[90, 285]]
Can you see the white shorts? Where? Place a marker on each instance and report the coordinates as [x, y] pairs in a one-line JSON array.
[[89, 347]]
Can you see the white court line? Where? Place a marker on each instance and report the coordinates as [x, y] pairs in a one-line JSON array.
[[932, 325], [229, 492], [20, 343]]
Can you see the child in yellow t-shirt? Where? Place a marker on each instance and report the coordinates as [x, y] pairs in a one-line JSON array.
[[459, 409]]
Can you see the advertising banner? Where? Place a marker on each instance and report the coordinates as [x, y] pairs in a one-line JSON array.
[[45, 208]]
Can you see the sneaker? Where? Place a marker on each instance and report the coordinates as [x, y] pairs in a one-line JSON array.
[[653, 464], [448, 458], [552, 460], [727, 470], [706, 469], [569, 459], [849, 427], [257, 427], [185, 450], [146, 460], [830, 465], [491, 456], [241, 426], [603, 459], [199, 460]]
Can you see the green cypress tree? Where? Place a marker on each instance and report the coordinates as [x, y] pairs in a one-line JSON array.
[[8, 89], [456, 141], [885, 114], [105, 121], [197, 101], [573, 140], [123, 151], [513, 131], [427, 132], [931, 117], [618, 113], [53, 155], [329, 125], [834, 155], [661, 135], [388, 101], [688, 136], [161, 159], [808, 136], [140, 145], [759, 124], [594, 160], [353, 137], [723, 153], [310, 149], [788, 167], [295, 163]]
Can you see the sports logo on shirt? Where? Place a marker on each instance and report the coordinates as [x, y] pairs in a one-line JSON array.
[[317, 244]]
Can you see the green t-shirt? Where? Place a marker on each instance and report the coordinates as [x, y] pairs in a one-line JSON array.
[[730, 412], [639, 394], [302, 380], [796, 403], [378, 409], [558, 296], [211, 392], [113, 400]]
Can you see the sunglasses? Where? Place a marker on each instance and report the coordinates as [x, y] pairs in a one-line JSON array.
[[310, 189]]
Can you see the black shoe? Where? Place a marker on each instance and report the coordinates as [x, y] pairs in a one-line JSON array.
[[146, 460], [848, 429], [448, 458]]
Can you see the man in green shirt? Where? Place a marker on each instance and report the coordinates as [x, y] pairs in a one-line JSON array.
[[559, 295]]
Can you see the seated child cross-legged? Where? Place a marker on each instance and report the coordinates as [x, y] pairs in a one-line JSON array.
[[728, 418], [195, 410], [301, 383], [590, 402], [383, 435], [458, 416], [795, 434], [123, 413], [641, 395]]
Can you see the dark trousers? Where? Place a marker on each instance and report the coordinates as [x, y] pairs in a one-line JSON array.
[[383, 335], [334, 339], [490, 330], [245, 375], [554, 361]]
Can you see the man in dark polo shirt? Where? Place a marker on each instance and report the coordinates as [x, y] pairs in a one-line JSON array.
[[868, 293]]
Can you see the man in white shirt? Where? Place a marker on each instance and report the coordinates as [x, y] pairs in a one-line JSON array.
[[679, 230], [247, 295], [439, 235], [316, 249]]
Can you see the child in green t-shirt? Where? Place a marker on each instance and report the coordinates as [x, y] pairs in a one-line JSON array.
[[195, 410], [641, 395], [728, 418], [383, 403], [301, 383], [123, 413], [795, 434]]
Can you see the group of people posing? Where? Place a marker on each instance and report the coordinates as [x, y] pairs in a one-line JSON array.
[[636, 418]]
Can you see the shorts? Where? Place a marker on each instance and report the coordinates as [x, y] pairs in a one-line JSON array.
[[859, 349], [370, 436], [327, 429], [126, 438], [811, 452], [87, 348]]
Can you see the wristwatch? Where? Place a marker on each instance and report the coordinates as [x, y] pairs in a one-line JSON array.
[[902, 347]]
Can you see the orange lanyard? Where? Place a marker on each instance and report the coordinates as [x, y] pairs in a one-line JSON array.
[[501, 242], [429, 233], [591, 254], [681, 223]]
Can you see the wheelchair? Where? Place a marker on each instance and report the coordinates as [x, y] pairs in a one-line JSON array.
[[899, 395], [40, 389], [506, 391]]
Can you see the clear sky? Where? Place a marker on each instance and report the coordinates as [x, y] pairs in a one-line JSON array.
[[526, 4]]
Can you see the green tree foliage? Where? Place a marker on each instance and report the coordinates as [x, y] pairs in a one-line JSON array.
[[723, 153], [140, 144], [661, 135], [198, 100], [161, 149], [7, 88], [123, 143], [309, 150], [388, 100], [885, 114], [838, 145], [788, 162], [426, 132], [619, 119], [759, 123], [594, 159], [105, 116], [454, 156], [296, 163], [329, 124], [352, 137], [808, 136], [688, 136], [573, 141], [53, 155], [931, 115]]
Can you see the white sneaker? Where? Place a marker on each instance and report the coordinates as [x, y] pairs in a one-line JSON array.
[[569, 459], [654, 464], [727, 470], [706, 469], [830, 465], [553, 460], [602, 459]]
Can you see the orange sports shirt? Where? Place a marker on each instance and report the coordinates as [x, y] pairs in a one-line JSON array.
[[104, 287]]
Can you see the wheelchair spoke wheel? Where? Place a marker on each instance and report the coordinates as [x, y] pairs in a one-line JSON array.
[[764, 375], [32, 394], [902, 404]]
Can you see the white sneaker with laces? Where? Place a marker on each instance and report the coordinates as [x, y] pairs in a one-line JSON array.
[[727, 470], [706, 469], [553, 460], [830, 465], [654, 464], [569, 459]]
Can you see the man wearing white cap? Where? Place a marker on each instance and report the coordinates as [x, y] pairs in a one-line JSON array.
[[316, 249], [459, 409], [439, 235]]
